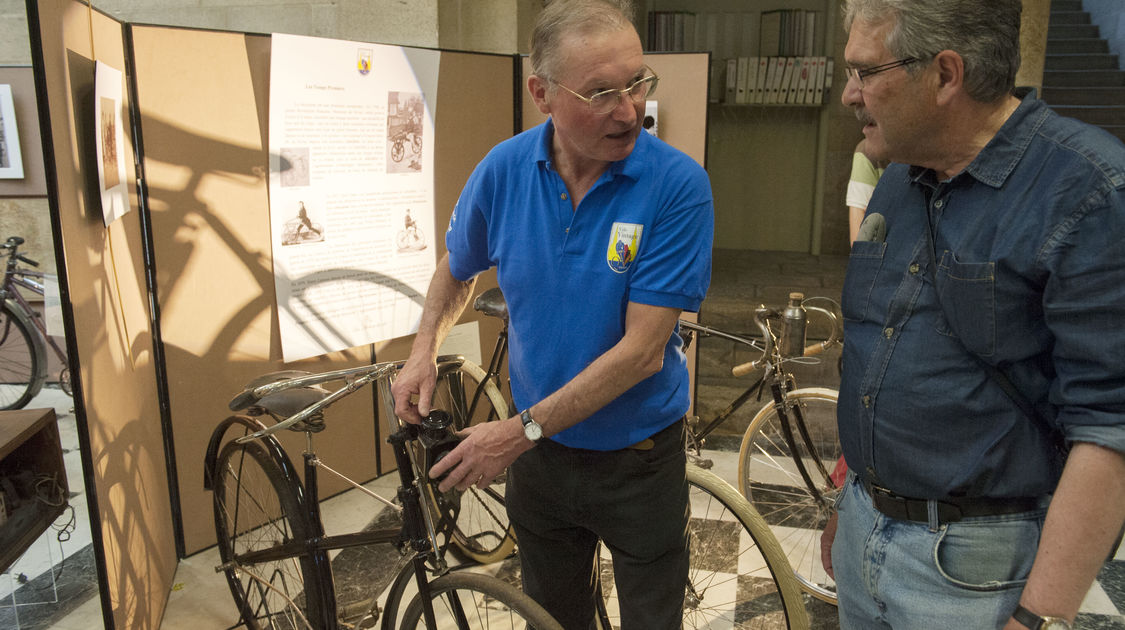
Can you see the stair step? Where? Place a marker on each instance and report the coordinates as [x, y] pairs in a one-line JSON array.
[[1063, 96], [1072, 31], [1068, 17], [1066, 5], [1089, 46], [1084, 78], [1093, 114], [1081, 62]]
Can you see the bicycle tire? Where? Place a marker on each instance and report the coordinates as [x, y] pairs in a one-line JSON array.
[[770, 480], [738, 576], [258, 506], [23, 358], [482, 531], [487, 601]]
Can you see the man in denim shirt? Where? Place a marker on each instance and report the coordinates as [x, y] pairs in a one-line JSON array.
[[970, 504]]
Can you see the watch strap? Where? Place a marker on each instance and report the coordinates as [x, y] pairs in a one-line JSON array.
[[1037, 622], [1027, 618]]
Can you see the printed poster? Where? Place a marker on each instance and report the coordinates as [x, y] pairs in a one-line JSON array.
[[351, 190]]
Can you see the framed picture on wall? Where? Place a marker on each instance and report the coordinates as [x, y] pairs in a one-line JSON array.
[[11, 160]]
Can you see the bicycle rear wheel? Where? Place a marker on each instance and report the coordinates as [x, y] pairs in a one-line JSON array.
[[23, 358], [482, 531], [738, 577], [470, 601], [768, 476], [258, 508]]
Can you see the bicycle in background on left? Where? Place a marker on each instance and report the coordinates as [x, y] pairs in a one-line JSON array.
[[23, 333]]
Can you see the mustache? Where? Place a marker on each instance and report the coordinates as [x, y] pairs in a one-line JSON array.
[[861, 116]]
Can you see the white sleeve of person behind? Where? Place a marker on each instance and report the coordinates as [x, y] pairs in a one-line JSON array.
[[650, 118]]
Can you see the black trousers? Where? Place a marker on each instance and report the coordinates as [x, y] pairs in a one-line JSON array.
[[562, 500]]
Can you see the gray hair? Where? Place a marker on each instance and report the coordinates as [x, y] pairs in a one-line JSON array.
[[985, 33], [561, 18]]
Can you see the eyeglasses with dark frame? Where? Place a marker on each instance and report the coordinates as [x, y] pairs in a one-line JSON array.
[[606, 101], [860, 73]]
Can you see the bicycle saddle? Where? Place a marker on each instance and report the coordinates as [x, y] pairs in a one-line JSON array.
[[492, 303], [284, 403]]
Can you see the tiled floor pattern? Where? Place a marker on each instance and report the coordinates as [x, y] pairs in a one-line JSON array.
[[200, 599]]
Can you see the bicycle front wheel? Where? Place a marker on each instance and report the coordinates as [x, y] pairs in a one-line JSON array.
[[258, 510], [482, 531], [23, 358], [797, 509], [738, 577], [470, 601]]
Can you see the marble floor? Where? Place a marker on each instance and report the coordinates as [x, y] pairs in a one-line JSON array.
[[55, 588]]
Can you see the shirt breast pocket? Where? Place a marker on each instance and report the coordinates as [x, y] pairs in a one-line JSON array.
[[863, 267], [968, 303]]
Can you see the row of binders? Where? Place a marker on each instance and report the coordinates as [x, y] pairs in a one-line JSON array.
[[777, 80]]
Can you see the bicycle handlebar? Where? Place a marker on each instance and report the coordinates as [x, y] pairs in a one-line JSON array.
[[12, 244], [762, 315], [277, 382]]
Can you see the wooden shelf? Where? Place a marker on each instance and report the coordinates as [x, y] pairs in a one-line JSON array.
[[31, 469]]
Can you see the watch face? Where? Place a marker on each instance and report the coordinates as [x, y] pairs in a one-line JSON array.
[[533, 431], [1050, 623]]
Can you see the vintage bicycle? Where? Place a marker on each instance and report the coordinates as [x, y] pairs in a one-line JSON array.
[[272, 542], [739, 577], [23, 333]]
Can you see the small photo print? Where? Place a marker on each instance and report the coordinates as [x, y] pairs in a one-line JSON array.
[[405, 112], [301, 228], [11, 161], [410, 238], [108, 128], [294, 166]]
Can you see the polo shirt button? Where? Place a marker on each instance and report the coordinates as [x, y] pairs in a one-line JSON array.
[[939, 203], [914, 268], [563, 196], [888, 332], [866, 401]]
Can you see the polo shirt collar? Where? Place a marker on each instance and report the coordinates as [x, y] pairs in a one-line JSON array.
[[631, 167], [1003, 153]]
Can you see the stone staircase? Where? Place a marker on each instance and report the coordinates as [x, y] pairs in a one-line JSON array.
[[1081, 78]]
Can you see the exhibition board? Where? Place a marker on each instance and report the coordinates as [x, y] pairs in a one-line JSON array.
[[106, 310]]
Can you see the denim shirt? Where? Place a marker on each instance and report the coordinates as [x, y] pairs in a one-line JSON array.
[[1029, 244]]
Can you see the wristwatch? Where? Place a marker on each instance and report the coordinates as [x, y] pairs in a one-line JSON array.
[[531, 428], [1035, 622]]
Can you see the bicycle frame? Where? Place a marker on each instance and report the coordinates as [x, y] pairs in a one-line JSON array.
[[418, 531]]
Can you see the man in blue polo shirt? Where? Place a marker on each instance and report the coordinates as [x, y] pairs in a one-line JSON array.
[[601, 236]]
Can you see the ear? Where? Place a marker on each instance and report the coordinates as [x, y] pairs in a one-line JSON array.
[[538, 87], [950, 70]]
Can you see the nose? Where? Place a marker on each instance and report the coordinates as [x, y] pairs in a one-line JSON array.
[[626, 110], [851, 96]]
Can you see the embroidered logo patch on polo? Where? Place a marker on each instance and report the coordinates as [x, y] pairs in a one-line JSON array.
[[624, 241]]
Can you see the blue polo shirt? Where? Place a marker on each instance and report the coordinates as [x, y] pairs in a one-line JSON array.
[[641, 234]]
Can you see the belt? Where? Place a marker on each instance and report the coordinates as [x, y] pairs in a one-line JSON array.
[[948, 510], [647, 443]]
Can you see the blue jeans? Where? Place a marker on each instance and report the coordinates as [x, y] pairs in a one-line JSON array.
[[907, 575]]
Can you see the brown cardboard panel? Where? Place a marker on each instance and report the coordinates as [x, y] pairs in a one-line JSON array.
[[34, 182], [104, 277], [203, 98]]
